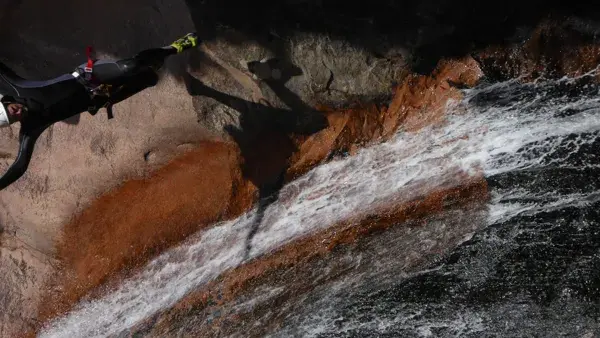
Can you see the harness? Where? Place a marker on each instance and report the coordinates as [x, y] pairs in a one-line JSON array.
[[89, 67], [96, 90]]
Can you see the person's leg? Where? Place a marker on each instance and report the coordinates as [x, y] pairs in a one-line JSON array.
[[153, 58], [188, 41]]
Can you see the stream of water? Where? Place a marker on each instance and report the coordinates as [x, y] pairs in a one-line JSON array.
[[533, 258]]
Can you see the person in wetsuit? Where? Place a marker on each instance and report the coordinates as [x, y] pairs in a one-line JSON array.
[[92, 86]]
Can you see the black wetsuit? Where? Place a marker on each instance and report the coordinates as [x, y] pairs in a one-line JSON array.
[[55, 100]]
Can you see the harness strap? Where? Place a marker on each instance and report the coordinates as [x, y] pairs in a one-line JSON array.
[[89, 68]]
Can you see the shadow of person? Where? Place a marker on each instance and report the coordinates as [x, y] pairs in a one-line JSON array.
[[275, 73], [264, 137], [73, 120]]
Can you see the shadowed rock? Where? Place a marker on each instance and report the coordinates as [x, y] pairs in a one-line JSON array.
[[352, 60]]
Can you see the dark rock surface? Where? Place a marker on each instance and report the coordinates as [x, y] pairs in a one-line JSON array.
[[277, 58]]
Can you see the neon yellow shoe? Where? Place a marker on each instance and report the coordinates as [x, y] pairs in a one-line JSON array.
[[188, 41]]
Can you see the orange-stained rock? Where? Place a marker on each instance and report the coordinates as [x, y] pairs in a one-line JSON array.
[[126, 227], [418, 101], [235, 282], [421, 100]]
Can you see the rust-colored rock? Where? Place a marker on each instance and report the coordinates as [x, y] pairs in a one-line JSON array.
[[348, 129], [125, 228], [421, 100], [234, 282], [418, 101]]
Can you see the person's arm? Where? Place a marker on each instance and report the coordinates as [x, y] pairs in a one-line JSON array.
[[27, 139]]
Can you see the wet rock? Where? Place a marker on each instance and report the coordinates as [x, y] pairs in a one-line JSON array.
[[77, 160], [337, 64], [124, 228], [251, 175], [418, 101], [553, 49], [295, 259]]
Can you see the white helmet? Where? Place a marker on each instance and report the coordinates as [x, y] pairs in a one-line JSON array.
[[4, 121]]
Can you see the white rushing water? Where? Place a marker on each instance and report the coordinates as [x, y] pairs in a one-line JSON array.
[[477, 138]]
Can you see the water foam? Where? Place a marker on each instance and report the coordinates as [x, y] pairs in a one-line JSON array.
[[480, 136]]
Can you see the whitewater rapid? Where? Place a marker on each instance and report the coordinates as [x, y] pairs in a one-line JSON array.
[[478, 138]]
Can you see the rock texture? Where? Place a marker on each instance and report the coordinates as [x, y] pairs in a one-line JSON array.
[[419, 101], [200, 313], [554, 49], [216, 182], [77, 160], [260, 103]]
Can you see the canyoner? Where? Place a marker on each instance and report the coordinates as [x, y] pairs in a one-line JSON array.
[[92, 86]]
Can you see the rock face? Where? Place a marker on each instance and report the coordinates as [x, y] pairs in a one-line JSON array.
[[77, 160], [260, 103], [215, 182], [554, 49], [419, 101], [192, 314]]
